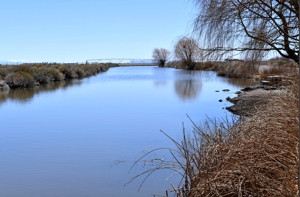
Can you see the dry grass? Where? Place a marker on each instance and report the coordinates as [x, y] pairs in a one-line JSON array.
[[279, 70], [254, 156], [281, 61], [237, 69], [207, 66], [257, 157]]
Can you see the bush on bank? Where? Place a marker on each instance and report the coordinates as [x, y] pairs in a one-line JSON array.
[[27, 75], [19, 79]]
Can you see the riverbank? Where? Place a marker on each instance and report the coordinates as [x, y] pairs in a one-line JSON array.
[[241, 69], [257, 156], [252, 154], [249, 99], [29, 75]]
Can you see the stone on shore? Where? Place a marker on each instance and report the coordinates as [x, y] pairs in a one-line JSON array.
[[3, 85], [248, 102]]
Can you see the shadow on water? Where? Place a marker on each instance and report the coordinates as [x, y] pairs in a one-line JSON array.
[[26, 94]]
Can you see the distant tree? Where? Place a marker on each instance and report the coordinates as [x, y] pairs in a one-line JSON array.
[[187, 51], [252, 26], [161, 56]]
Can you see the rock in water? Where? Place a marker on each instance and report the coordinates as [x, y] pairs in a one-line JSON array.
[[3, 85]]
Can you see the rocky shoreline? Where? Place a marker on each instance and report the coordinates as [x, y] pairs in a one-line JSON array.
[[250, 99]]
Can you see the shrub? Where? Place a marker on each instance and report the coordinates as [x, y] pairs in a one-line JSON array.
[[68, 71], [46, 73], [19, 79], [80, 72], [22, 68], [41, 75], [56, 75], [3, 72]]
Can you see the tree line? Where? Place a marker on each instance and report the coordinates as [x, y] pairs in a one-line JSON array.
[[252, 28], [186, 51]]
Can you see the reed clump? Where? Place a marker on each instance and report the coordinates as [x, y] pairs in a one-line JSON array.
[[212, 66], [279, 70], [281, 61], [238, 69]]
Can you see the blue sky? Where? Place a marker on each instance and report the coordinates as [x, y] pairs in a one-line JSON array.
[[77, 30]]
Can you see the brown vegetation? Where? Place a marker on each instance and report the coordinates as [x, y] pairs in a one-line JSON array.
[[214, 66], [19, 79], [27, 75], [258, 156]]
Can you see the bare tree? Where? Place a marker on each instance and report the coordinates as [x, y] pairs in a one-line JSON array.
[[187, 51], [253, 26], [161, 56]]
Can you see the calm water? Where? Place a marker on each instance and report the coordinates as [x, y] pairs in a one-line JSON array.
[[80, 138]]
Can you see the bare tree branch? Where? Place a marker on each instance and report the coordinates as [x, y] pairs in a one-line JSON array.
[[161, 56], [187, 51], [250, 26]]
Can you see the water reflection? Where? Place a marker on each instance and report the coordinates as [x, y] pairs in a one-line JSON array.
[[160, 83], [160, 76], [188, 89], [188, 84], [26, 95]]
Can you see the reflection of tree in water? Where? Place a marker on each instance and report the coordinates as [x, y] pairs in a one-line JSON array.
[[3, 95], [188, 89], [160, 83], [24, 95]]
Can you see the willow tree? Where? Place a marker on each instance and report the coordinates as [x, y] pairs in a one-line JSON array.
[[252, 26], [187, 51], [161, 56]]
